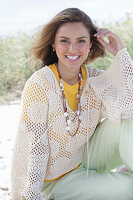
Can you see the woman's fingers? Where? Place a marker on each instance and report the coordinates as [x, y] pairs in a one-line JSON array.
[[102, 30], [111, 36], [103, 33], [114, 44], [102, 42]]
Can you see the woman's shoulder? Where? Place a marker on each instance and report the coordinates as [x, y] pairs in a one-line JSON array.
[[93, 72], [43, 79], [42, 76]]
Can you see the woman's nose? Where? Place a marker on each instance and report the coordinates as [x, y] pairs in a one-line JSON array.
[[72, 47]]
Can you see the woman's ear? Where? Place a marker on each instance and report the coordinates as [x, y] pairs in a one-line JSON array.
[[90, 45], [53, 46]]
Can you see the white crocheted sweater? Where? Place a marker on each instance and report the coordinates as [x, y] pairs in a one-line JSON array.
[[43, 149]]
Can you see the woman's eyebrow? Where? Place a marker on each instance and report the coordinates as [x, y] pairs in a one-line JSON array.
[[64, 37], [82, 37], [76, 38]]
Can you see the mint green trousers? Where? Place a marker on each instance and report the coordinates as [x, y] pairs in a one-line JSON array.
[[110, 147]]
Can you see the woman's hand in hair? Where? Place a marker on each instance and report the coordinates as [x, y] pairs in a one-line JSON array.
[[114, 43]]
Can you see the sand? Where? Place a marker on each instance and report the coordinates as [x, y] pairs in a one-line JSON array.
[[9, 118]]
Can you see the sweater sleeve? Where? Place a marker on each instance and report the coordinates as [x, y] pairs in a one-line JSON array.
[[126, 98], [31, 149], [115, 88]]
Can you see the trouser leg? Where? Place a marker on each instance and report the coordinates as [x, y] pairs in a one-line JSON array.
[[104, 147], [105, 154]]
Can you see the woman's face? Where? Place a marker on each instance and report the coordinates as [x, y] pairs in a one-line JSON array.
[[72, 44]]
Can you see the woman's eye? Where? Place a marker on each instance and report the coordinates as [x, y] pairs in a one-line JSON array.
[[64, 41], [82, 41]]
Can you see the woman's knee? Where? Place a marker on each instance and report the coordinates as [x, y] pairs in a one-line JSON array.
[[121, 187]]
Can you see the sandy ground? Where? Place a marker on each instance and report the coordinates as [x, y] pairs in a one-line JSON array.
[[9, 117]]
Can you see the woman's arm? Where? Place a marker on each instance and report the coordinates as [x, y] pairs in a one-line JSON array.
[[117, 91], [115, 86], [31, 150]]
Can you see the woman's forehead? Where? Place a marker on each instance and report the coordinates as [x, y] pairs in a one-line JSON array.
[[76, 28]]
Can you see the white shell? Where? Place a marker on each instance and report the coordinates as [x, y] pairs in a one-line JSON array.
[[65, 114], [78, 112], [79, 75], [68, 121], [61, 83], [67, 128]]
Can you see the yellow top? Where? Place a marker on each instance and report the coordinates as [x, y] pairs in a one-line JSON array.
[[70, 91]]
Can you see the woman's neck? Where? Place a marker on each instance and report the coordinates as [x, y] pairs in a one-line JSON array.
[[69, 76]]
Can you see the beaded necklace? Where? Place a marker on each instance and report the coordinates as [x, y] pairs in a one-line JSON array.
[[78, 111]]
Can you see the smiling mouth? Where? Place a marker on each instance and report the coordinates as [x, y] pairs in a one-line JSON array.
[[72, 57]]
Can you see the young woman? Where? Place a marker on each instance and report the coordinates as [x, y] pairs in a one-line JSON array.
[[62, 105]]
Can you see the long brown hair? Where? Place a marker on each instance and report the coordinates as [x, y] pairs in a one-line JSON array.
[[41, 48]]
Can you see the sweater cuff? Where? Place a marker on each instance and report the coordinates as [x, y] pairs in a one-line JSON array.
[[123, 50]]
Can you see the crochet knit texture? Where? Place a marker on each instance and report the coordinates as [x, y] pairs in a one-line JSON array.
[[43, 149]]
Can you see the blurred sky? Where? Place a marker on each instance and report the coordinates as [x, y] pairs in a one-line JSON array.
[[28, 15]]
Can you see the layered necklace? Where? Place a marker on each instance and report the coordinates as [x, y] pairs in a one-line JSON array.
[[78, 110]]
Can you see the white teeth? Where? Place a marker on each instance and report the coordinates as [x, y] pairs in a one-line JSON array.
[[72, 57]]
